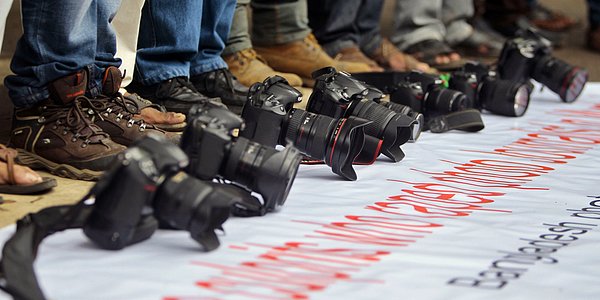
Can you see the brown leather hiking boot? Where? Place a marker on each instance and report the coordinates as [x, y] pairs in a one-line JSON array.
[[152, 113], [56, 135], [250, 68], [115, 113], [303, 57]]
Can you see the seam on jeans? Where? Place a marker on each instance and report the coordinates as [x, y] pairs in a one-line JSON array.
[[159, 77]]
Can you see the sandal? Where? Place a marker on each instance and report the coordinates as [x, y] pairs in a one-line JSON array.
[[136, 104], [7, 156], [428, 50]]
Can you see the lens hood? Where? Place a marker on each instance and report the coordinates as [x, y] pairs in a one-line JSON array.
[[347, 143]]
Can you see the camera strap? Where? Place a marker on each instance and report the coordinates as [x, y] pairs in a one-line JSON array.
[[465, 120], [384, 81], [17, 275]]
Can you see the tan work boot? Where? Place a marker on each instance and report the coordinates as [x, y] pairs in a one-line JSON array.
[[58, 136], [303, 57], [353, 54], [250, 68]]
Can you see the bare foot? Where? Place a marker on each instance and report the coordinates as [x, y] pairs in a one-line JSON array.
[[22, 175], [153, 116]]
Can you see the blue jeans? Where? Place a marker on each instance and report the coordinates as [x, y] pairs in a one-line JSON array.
[[181, 38], [594, 13], [59, 39]]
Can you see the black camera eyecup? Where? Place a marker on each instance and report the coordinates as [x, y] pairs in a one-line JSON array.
[[323, 71]]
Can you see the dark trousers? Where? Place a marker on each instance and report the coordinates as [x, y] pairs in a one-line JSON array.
[[340, 24]]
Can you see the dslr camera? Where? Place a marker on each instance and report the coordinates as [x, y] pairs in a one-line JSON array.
[[486, 91], [339, 95], [271, 120], [427, 94], [216, 151], [529, 55], [147, 187]]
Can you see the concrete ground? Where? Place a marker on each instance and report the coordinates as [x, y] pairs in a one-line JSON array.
[[70, 191]]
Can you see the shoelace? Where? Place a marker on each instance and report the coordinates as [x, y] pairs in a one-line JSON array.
[[73, 119], [119, 105], [228, 78]]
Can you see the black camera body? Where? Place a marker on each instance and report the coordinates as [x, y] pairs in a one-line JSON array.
[[272, 120], [212, 142], [529, 55], [426, 93], [486, 91], [146, 187], [339, 95]]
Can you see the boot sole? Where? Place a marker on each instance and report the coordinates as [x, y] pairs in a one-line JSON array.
[[37, 162]]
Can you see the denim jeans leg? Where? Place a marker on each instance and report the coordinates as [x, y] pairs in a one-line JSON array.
[[217, 16], [594, 13], [367, 22], [417, 21], [277, 22], [106, 47], [168, 39], [59, 39], [239, 35], [333, 23]]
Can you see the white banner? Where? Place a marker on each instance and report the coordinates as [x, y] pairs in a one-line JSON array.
[[510, 212]]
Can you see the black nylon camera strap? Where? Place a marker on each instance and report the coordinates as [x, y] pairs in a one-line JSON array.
[[382, 80], [17, 275], [465, 120]]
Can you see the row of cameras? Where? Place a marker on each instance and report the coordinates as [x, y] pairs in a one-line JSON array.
[[226, 163]]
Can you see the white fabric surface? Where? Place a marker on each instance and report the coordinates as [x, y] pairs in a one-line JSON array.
[[406, 244]]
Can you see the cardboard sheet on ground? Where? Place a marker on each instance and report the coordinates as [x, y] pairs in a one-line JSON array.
[[512, 211]]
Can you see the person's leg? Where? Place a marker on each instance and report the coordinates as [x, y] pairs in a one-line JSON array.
[[335, 25], [52, 63], [455, 14], [282, 37], [59, 39], [279, 22], [208, 71], [168, 40], [239, 35], [593, 37], [367, 23], [417, 21], [167, 44], [106, 45], [242, 60], [217, 16]]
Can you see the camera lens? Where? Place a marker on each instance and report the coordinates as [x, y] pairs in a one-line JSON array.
[[337, 142], [560, 77], [445, 100], [263, 169], [419, 119], [504, 97], [185, 202], [393, 128]]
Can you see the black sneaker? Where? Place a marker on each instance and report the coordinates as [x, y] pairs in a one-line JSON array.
[[221, 83], [176, 94]]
